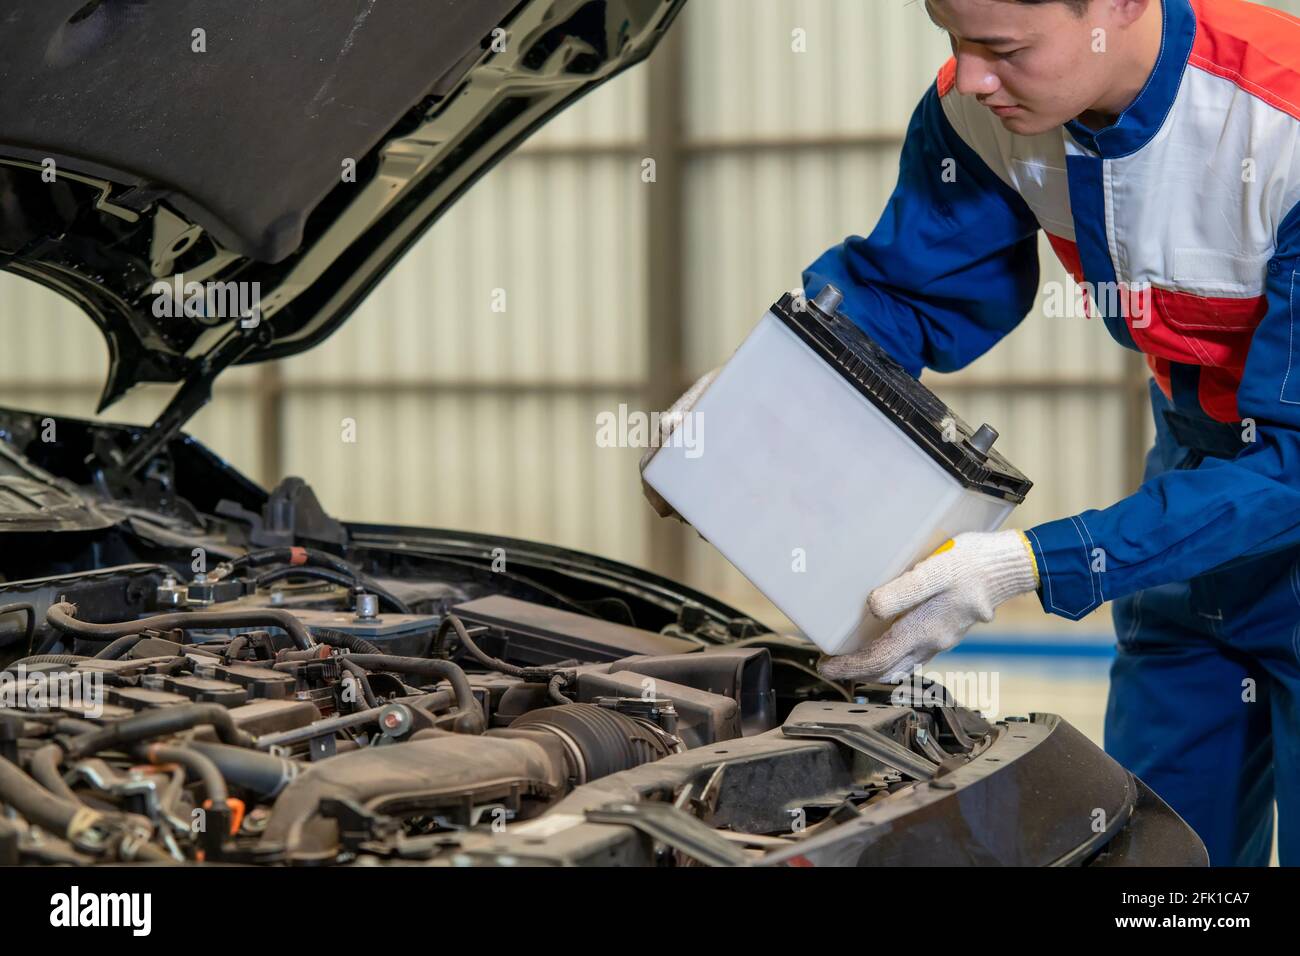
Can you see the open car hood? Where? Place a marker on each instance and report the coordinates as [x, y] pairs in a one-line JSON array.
[[215, 140]]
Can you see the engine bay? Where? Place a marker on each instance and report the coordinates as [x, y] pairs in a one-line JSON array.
[[289, 707], [195, 670]]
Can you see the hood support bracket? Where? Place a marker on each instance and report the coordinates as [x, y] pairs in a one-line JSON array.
[[120, 467]]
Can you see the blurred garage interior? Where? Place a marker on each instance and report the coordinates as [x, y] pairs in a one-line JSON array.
[[566, 284]]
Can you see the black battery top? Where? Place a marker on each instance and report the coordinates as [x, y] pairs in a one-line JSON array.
[[964, 453]]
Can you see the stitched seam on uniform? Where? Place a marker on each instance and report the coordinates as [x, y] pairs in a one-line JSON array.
[[1216, 253], [1097, 581], [1218, 326], [1282, 15], [1112, 234], [1199, 351], [1241, 291], [1177, 86], [1265, 96], [1047, 577], [1211, 328], [1084, 544], [1085, 151], [1075, 615], [1092, 584], [1290, 357]]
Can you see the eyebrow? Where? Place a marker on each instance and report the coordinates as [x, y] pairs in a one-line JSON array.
[[982, 41]]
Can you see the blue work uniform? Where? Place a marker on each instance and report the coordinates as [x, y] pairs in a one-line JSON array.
[[1182, 219]]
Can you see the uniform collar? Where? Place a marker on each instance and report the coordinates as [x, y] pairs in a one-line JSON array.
[[1142, 120]]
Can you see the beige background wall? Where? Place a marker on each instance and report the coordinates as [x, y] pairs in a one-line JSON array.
[[623, 291]]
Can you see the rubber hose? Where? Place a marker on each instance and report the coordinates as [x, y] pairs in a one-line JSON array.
[[491, 663], [359, 675], [62, 616], [160, 723], [345, 640], [263, 774], [39, 806], [197, 764], [554, 689], [423, 667], [44, 766], [285, 555]]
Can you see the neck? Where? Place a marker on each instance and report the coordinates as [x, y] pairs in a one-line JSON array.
[[1137, 63]]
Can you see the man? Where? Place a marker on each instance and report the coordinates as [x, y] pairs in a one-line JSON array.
[[1157, 143]]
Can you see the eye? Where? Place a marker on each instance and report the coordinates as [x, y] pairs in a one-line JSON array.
[[1010, 53]]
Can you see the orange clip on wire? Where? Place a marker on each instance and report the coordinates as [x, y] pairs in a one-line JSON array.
[[236, 808]]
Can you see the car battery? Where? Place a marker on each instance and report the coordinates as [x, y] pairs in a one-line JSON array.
[[821, 469]]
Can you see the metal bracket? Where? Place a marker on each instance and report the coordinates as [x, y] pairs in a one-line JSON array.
[[949, 716], [359, 828], [870, 742], [117, 468], [675, 828]]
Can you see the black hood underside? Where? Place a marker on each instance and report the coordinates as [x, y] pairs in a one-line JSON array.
[[286, 155], [243, 127]]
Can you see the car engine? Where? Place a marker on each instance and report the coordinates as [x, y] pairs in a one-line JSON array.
[[232, 676], [288, 708]]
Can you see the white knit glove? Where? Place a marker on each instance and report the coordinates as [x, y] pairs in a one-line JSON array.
[[964, 581], [668, 421]]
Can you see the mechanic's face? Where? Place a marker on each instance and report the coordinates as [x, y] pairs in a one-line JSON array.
[[1036, 66]]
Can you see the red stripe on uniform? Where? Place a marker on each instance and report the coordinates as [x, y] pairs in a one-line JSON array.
[[947, 76], [1217, 391], [1213, 333], [1170, 326], [1160, 369], [1193, 329], [1068, 252], [1254, 47]]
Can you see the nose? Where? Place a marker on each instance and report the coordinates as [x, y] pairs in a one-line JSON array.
[[975, 76]]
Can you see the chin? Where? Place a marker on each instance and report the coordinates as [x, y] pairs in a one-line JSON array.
[[1027, 124]]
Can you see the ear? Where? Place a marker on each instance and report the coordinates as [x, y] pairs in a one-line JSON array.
[[1128, 12]]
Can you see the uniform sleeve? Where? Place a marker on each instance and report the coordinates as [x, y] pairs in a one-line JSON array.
[[951, 267], [1183, 523]]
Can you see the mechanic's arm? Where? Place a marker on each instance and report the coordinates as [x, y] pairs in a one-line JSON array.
[[1177, 525], [951, 267], [1185, 522]]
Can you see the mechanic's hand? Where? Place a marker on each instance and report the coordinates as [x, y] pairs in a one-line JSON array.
[[668, 421], [963, 582]]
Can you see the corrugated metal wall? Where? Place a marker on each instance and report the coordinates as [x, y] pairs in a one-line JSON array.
[[467, 415]]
